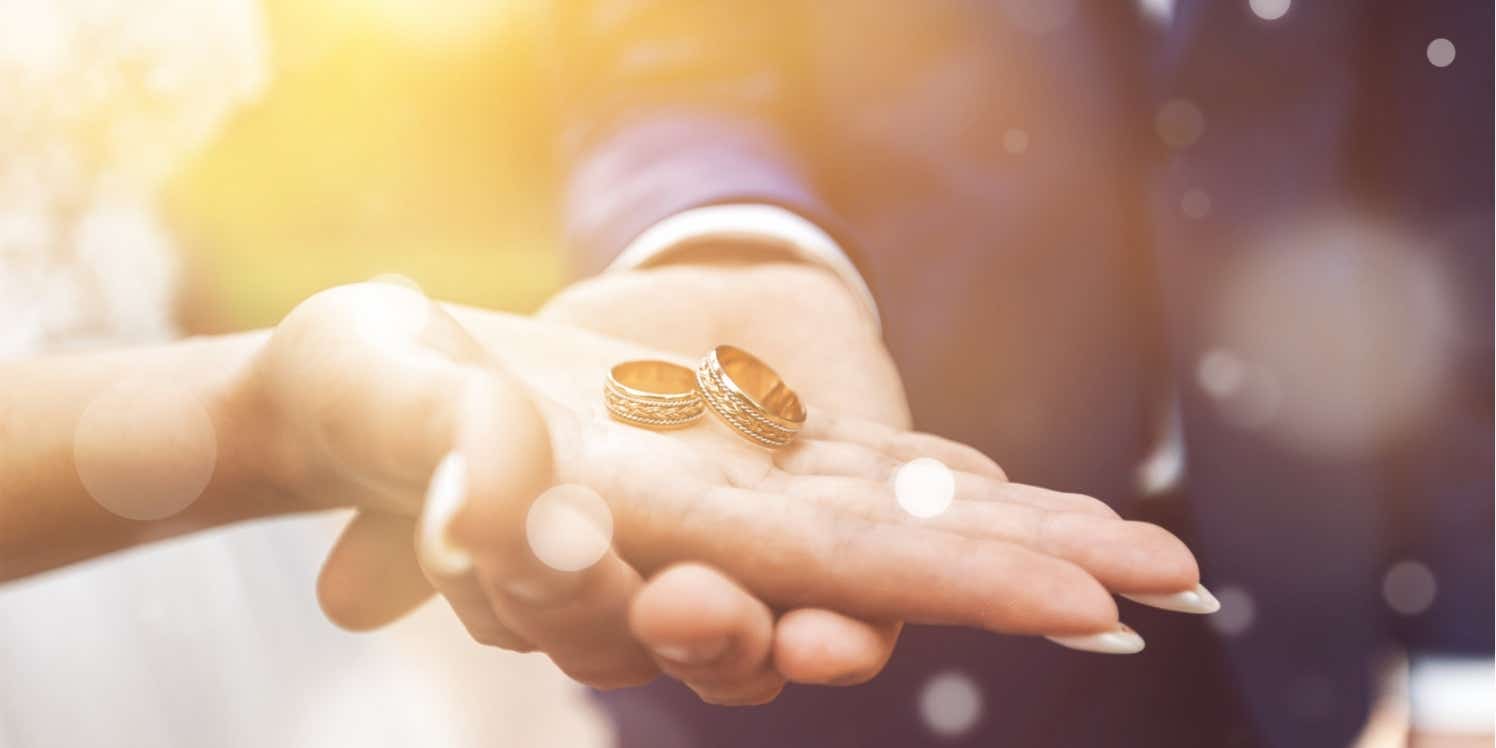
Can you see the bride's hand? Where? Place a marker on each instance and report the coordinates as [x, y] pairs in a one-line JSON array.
[[374, 386]]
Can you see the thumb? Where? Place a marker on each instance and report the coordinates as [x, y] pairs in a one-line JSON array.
[[371, 577]]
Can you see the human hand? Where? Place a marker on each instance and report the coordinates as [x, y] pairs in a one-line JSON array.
[[369, 387], [819, 336], [1450, 740]]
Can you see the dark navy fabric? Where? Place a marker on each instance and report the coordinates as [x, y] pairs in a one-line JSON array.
[[1046, 306]]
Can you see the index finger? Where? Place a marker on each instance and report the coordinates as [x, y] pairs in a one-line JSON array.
[[795, 553]]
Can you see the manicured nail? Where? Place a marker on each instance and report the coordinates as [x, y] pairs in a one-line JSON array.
[[700, 653], [1121, 640], [1197, 600], [444, 498]]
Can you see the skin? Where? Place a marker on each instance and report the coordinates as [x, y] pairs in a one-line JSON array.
[[1435, 740], [354, 399], [349, 404], [857, 438]]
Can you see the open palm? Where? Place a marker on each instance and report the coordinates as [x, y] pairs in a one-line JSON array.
[[814, 529]]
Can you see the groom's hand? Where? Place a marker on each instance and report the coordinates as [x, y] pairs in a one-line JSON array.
[[823, 340], [822, 337]]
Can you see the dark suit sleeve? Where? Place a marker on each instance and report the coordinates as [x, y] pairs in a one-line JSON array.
[[669, 105]]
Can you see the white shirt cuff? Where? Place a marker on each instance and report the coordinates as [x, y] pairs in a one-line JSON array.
[[1452, 695], [749, 223]]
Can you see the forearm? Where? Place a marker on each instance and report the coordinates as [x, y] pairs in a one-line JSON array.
[[105, 451], [96, 448]]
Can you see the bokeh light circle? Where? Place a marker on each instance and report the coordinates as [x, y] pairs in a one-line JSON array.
[[1270, 10], [924, 487], [569, 527], [1157, 11], [1237, 614], [1441, 53], [1180, 123], [1220, 373], [1247, 395], [950, 703], [144, 450], [1409, 588], [1195, 204], [1039, 16], [1342, 330]]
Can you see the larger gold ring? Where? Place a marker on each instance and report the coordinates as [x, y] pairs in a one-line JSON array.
[[749, 397], [653, 394]]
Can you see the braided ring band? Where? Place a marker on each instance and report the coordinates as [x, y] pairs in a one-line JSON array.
[[653, 395], [749, 397]]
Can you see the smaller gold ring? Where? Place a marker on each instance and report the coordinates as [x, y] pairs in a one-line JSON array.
[[652, 394], [750, 397]]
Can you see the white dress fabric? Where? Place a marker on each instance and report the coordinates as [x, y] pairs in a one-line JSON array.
[[215, 639]]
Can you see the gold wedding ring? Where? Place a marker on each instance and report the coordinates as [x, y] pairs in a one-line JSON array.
[[652, 394], [749, 397]]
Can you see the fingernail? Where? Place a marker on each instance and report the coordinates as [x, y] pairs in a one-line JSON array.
[[444, 497], [700, 653], [1198, 600], [1121, 640]]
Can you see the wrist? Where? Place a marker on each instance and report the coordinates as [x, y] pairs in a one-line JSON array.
[[262, 469], [116, 448]]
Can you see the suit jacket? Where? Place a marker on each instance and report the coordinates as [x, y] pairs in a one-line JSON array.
[[1086, 231]]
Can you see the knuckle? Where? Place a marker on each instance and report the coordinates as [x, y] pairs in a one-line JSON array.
[[855, 677], [486, 638], [495, 635], [800, 667], [610, 678], [330, 314], [502, 641], [756, 697], [324, 309], [530, 594], [686, 574], [1092, 505]]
